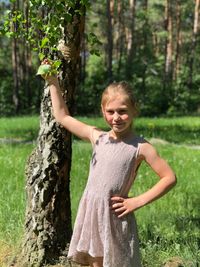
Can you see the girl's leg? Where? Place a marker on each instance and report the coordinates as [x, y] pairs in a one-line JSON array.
[[96, 262]]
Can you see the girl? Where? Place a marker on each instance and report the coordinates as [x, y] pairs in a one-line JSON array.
[[105, 232]]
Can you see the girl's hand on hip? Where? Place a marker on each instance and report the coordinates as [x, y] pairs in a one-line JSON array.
[[123, 206]]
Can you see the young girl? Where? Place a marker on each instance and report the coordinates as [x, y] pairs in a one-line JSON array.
[[105, 232]]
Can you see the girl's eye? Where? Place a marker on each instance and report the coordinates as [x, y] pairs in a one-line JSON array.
[[122, 111], [110, 112]]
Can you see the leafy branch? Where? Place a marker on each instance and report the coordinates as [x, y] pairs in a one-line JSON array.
[[43, 25]]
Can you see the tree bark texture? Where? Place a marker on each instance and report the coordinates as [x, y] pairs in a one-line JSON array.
[[48, 215]]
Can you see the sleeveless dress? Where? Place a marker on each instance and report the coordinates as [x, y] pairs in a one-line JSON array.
[[98, 232]]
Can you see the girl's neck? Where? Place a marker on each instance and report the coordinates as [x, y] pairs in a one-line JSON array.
[[121, 135]]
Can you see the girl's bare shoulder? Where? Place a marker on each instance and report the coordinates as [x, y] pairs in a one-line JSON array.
[[147, 150], [95, 134]]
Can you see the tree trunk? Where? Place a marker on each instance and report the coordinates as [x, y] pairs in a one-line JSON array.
[[110, 11], [178, 40], [15, 64], [131, 44], [27, 66], [168, 28], [194, 41], [119, 36], [167, 76], [145, 49], [15, 94], [48, 215]]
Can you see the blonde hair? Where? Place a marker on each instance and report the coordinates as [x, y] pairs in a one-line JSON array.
[[119, 88]]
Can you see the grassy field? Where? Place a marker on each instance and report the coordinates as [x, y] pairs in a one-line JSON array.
[[168, 228], [176, 130]]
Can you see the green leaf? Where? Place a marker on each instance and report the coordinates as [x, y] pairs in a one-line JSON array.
[[44, 41], [41, 56], [44, 69], [56, 64]]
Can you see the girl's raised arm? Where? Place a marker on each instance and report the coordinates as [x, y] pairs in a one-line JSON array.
[[62, 115]]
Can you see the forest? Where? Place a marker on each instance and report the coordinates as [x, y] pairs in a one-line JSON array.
[[154, 45]]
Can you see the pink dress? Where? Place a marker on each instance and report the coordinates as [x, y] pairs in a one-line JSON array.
[[98, 232]]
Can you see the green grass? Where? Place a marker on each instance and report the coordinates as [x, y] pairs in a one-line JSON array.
[[23, 128], [168, 227], [12, 201], [176, 130]]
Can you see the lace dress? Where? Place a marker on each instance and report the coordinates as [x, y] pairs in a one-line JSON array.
[[98, 232]]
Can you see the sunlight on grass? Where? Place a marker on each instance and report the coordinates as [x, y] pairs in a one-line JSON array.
[[176, 130], [25, 128], [12, 202]]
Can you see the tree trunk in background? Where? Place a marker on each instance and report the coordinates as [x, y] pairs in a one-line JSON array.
[[27, 60], [119, 36], [131, 44], [167, 77], [15, 75], [27, 74], [145, 49], [48, 214], [21, 62], [15, 64], [110, 13], [178, 40], [194, 41], [169, 44]]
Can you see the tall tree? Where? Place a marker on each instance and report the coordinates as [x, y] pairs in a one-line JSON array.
[[48, 214], [27, 59], [169, 40], [119, 34], [167, 75], [194, 40], [178, 40], [145, 45], [131, 40], [15, 62], [110, 17], [21, 57]]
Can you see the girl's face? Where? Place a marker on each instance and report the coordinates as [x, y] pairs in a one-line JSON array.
[[119, 114]]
